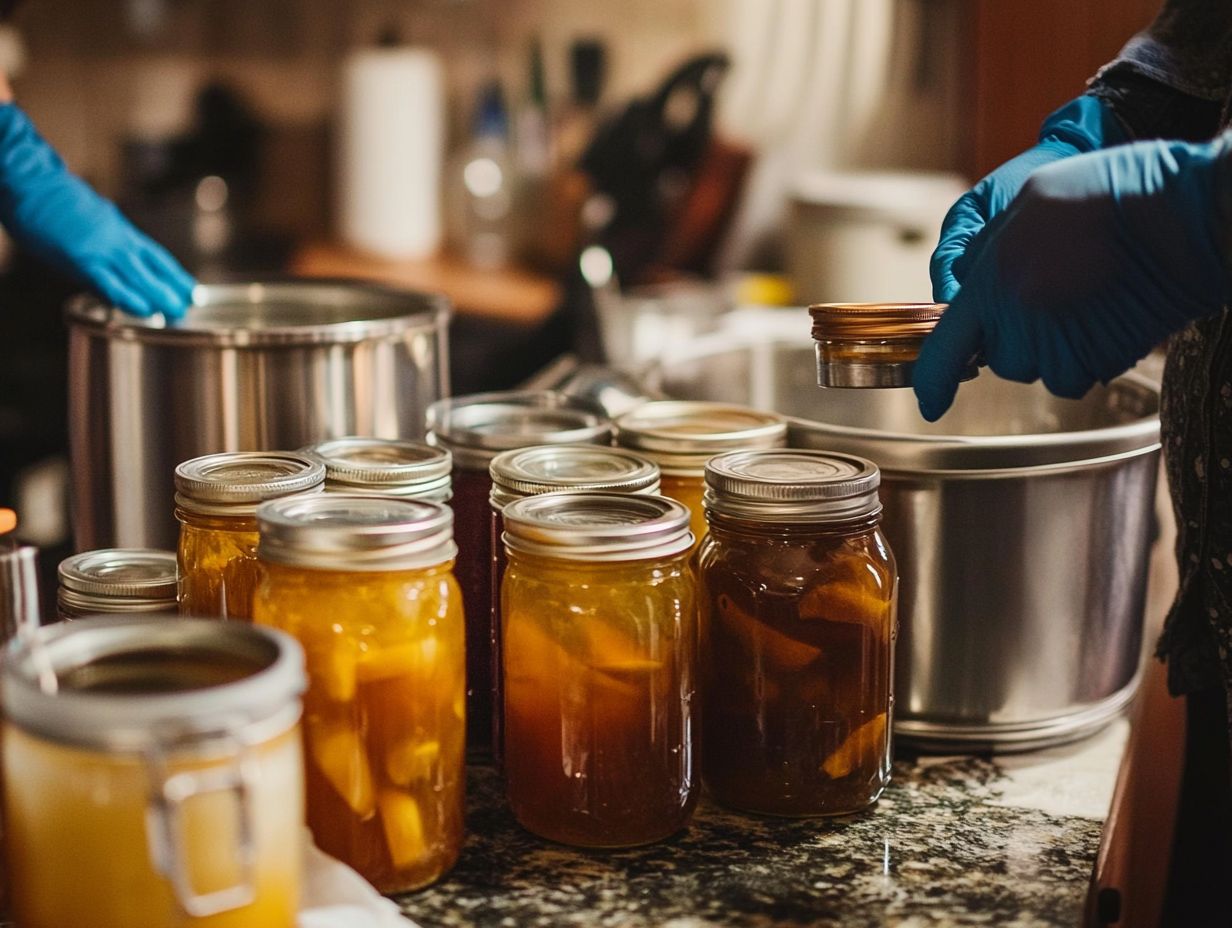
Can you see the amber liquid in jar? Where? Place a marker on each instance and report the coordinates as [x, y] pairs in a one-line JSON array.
[[798, 624], [384, 714], [688, 490], [472, 532], [599, 695], [218, 565]]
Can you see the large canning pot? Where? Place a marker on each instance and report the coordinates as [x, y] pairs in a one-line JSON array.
[[252, 367], [1022, 525]]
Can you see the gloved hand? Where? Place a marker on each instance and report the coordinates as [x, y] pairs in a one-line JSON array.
[[1082, 125], [1098, 259], [59, 218]]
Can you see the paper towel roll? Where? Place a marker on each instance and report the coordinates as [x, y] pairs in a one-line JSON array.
[[392, 145]]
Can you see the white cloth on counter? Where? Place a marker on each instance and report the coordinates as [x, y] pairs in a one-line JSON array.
[[335, 896]]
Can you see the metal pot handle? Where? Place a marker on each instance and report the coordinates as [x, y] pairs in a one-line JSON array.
[[165, 832]]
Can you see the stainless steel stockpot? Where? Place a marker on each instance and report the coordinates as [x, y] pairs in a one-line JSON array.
[[256, 366], [1022, 526]]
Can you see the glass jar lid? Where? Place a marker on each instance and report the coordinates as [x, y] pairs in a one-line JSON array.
[[477, 427], [345, 531], [404, 468], [792, 486], [122, 573], [580, 526], [859, 321], [681, 435], [234, 482], [132, 683], [548, 468]]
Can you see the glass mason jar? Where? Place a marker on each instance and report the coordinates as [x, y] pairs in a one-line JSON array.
[[364, 583], [159, 782], [406, 469], [117, 580], [546, 469], [798, 596], [681, 435], [599, 645], [216, 502], [475, 429]]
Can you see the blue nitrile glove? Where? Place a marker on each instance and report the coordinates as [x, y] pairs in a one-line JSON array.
[[59, 218], [1098, 259], [1082, 125]]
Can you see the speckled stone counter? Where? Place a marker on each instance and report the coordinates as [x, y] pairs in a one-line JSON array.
[[1006, 842]]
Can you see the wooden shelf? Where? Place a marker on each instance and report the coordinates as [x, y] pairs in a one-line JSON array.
[[513, 294]]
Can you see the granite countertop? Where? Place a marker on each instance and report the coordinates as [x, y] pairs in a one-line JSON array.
[[1007, 842]]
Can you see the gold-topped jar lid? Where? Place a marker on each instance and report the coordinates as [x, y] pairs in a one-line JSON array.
[[681, 435], [856, 321], [236, 482], [597, 527], [119, 580], [548, 468], [346, 531], [477, 427], [792, 486], [386, 466]]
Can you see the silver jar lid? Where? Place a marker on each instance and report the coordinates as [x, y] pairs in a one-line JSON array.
[[119, 580], [548, 468], [235, 482], [478, 427], [681, 435], [578, 526], [345, 531], [386, 466], [138, 683], [792, 486]]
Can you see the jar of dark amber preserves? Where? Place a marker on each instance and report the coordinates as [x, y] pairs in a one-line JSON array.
[[475, 429], [599, 639], [798, 596], [364, 583], [681, 435], [405, 469], [216, 502]]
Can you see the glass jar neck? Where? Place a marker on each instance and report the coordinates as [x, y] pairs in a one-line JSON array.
[[722, 526], [541, 564], [428, 570], [241, 522]]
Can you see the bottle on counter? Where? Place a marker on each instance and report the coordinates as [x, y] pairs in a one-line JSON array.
[[153, 774], [365, 584], [485, 183], [385, 467], [216, 503], [117, 581], [475, 429], [681, 435], [547, 469], [599, 647], [798, 596]]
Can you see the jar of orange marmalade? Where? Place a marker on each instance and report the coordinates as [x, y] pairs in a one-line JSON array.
[[216, 502], [681, 435], [152, 774], [798, 595], [599, 638], [365, 584]]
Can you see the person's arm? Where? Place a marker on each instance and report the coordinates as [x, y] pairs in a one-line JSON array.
[[1098, 259]]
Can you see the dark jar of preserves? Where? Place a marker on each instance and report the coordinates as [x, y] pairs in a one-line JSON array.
[[798, 606], [475, 429]]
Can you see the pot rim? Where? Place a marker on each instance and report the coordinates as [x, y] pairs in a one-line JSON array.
[[402, 311]]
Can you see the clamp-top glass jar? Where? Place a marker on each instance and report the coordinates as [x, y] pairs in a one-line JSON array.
[[117, 580], [798, 595], [599, 639], [364, 584], [872, 344], [159, 781], [681, 435], [216, 502], [475, 429], [406, 469]]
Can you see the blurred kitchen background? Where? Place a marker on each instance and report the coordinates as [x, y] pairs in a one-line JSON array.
[[598, 180]]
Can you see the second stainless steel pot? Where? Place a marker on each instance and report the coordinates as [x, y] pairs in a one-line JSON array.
[[252, 367], [1021, 524]]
